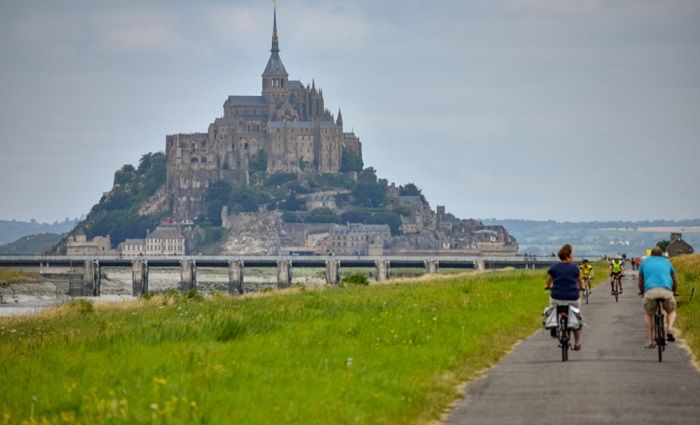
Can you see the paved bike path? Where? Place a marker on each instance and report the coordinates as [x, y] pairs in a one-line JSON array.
[[612, 380]]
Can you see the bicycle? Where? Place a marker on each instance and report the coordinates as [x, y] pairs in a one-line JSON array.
[[659, 329], [563, 331], [616, 286], [586, 288]]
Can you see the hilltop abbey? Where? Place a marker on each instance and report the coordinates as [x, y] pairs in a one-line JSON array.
[[286, 129]]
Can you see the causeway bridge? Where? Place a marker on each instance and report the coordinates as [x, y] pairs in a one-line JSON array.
[[87, 282]]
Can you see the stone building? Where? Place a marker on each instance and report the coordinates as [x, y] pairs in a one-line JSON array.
[[132, 248], [165, 240], [678, 246], [80, 245], [314, 201], [358, 239], [286, 129]]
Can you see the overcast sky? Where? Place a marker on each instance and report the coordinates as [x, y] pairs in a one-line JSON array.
[[540, 109]]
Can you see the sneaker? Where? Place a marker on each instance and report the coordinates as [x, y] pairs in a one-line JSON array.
[[670, 337], [553, 332]]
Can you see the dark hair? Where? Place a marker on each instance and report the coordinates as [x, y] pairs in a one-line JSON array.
[[585, 260], [657, 251], [565, 252]]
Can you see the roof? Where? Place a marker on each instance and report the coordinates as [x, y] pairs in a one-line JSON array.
[[246, 101], [134, 242], [359, 228], [295, 85], [165, 232], [274, 66], [301, 124]]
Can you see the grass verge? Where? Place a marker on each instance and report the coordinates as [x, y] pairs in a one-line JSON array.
[[688, 270], [379, 354]]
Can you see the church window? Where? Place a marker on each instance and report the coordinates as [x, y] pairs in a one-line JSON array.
[[204, 159], [194, 159]]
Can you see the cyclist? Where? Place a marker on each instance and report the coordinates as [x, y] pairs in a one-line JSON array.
[[617, 268], [564, 279], [657, 279], [586, 269]]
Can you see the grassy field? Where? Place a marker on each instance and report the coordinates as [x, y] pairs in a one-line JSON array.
[[8, 276], [384, 354], [688, 269]]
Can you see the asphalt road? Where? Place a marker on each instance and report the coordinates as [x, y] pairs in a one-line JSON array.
[[612, 380]]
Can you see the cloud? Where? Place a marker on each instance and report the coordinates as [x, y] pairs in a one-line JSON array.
[[136, 29], [233, 23], [331, 26]]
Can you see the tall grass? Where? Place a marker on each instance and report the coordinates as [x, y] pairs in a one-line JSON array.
[[379, 354], [688, 272]]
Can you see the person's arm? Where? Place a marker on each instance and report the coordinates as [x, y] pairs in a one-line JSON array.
[[548, 283], [675, 283], [579, 282]]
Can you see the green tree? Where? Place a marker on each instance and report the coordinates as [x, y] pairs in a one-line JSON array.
[[293, 203], [259, 164], [351, 162], [322, 215], [218, 194], [391, 219], [663, 244], [409, 190], [355, 216], [369, 194]]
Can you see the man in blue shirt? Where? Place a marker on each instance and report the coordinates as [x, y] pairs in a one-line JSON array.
[[657, 279]]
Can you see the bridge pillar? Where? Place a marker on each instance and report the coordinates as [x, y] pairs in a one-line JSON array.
[[381, 270], [188, 275], [91, 278], [332, 272], [235, 276], [480, 264], [284, 273], [431, 266], [139, 277]]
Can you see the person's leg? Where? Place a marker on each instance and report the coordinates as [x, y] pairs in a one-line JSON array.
[[650, 332], [671, 320], [577, 337]]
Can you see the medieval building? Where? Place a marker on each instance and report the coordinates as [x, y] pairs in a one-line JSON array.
[[286, 129]]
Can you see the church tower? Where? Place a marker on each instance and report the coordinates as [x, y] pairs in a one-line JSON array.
[[275, 79]]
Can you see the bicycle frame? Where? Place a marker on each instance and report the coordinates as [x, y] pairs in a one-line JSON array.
[[659, 328]]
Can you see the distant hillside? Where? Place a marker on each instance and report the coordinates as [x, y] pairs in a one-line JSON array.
[[31, 244], [12, 230], [597, 237]]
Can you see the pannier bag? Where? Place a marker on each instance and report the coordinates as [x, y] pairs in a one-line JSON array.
[[551, 320]]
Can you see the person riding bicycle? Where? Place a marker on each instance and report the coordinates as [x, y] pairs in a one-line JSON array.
[[657, 279], [586, 269], [564, 279], [617, 269]]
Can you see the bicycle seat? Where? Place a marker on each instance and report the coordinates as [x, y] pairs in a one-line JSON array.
[[563, 309]]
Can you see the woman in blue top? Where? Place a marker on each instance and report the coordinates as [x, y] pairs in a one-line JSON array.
[[565, 282]]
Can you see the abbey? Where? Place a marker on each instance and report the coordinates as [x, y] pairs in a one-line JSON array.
[[287, 129]]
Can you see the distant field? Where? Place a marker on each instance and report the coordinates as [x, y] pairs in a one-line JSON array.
[[688, 269], [392, 353], [8, 276]]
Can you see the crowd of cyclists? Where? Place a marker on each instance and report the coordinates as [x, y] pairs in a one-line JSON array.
[[657, 280]]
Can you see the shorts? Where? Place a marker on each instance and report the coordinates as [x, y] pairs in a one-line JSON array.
[[573, 303], [612, 274], [650, 296]]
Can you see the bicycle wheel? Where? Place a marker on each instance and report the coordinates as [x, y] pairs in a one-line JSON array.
[[616, 292], [564, 338], [660, 338]]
